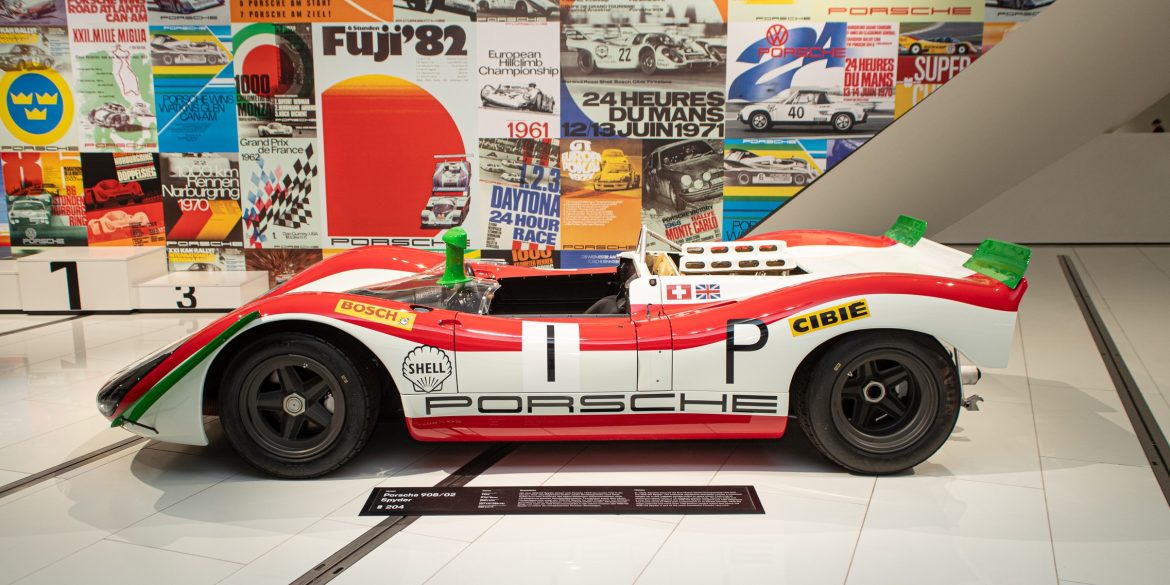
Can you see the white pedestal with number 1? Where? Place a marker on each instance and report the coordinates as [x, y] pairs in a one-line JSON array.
[[201, 290], [87, 279]]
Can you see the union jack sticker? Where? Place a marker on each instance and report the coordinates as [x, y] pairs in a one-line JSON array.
[[707, 292]]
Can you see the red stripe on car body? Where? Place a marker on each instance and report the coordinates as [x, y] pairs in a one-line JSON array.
[[595, 427]]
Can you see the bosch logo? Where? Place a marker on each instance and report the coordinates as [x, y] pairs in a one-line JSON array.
[[777, 35]]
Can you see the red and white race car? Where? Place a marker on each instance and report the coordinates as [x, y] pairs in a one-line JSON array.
[[853, 335]]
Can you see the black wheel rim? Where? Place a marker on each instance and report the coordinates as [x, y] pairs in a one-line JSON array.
[[292, 406], [885, 401]]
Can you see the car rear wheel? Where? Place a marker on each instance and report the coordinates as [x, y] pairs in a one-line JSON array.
[[760, 121], [842, 122], [296, 406], [880, 402], [915, 49], [585, 63], [743, 178], [961, 49], [799, 179]]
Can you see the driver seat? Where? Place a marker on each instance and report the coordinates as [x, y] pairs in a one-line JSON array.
[[661, 264]]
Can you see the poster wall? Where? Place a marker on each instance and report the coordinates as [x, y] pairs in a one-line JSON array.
[[268, 134]]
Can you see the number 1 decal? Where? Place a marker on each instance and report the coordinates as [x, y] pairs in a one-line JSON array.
[[550, 359]]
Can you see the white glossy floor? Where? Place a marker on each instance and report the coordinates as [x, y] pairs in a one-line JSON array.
[[1047, 484]]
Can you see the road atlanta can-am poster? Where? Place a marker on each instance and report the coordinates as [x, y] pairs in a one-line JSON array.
[[397, 131]]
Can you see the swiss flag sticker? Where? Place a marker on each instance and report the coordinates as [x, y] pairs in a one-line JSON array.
[[678, 292]]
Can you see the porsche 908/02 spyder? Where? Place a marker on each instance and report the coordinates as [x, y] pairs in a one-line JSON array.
[[855, 336], [620, 47], [450, 193], [517, 97], [802, 105], [745, 167]]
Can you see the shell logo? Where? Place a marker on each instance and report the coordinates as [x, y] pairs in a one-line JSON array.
[[427, 368]]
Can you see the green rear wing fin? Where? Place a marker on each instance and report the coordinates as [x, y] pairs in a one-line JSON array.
[[907, 230], [1003, 261]]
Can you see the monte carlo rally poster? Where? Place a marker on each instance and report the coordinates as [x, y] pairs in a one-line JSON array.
[[266, 134]]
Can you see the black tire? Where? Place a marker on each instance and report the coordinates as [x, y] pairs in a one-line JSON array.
[[799, 179], [168, 59], [647, 62], [915, 49], [585, 63], [760, 121], [855, 424], [522, 7], [743, 179], [961, 49], [337, 410], [842, 122]]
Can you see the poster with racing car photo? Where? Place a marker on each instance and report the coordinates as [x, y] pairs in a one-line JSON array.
[[316, 11], [1013, 10], [38, 111], [194, 88], [32, 12], [205, 259], [44, 198], [858, 10], [682, 195], [931, 54], [397, 133], [643, 68], [123, 199], [282, 264], [521, 184], [790, 79], [517, 11], [201, 200], [761, 175], [601, 194], [115, 88], [519, 75], [435, 10], [203, 12], [275, 96], [281, 194]]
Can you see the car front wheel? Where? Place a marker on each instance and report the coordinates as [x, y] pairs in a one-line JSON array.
[[760, 121], [880, 402], [585, 63], [296, 406], [647, 62], [915, 49]]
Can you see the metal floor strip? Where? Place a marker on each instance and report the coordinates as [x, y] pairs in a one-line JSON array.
[[39, 325], [74, 463], [363, 545], [1149, 434]]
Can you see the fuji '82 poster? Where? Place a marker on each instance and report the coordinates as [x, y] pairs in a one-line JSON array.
[[398, 133]]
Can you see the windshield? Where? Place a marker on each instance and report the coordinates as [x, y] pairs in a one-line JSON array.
[[474, 296]]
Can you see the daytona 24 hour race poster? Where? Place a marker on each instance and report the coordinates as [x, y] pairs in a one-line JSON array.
[[398, 132]]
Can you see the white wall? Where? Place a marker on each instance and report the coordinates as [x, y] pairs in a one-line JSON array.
[[1141, 122], [1115, 188], [1079, 69]]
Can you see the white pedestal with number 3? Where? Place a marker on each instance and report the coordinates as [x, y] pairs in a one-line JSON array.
[[87, 279], [201, 290]]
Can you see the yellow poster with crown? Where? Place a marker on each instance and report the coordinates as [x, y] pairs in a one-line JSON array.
[[37, 111]]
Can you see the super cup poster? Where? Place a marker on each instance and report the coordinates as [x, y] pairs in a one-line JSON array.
[[549, 130]]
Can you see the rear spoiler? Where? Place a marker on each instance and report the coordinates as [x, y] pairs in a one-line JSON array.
[[1003, 261]]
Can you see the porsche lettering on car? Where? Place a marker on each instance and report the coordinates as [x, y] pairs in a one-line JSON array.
[[855, 336], [798, 105], [623, 48], [744, 167], [908, 45], [450, 193], [517, 97], [168, 50]]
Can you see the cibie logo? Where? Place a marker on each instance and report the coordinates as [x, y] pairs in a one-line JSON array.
[[38, 106], [830, 317], [580, 161], [427, 368], [777, 35]]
